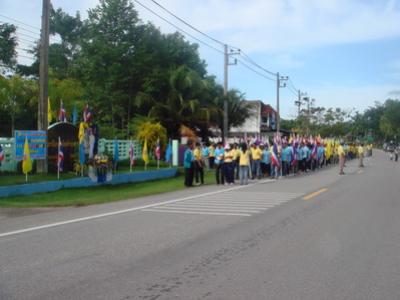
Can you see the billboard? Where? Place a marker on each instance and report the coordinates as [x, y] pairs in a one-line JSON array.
[[37, 140]]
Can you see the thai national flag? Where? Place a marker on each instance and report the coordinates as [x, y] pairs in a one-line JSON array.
[[60, 159], [87, 114], [2, 155], [62, 115], [131, 154], [274, 155], [158, 150], [314, 151]]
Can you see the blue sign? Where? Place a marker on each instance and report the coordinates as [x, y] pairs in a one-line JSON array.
[[37, 140]]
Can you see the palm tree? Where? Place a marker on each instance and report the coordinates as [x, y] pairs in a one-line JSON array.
[[238, 109], [183, 104]]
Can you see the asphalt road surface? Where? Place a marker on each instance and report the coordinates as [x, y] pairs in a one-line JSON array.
[[319, 236]]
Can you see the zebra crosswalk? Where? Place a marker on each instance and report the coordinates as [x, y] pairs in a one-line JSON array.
[[241, 203]]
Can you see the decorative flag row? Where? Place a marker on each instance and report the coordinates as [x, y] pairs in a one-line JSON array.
[[62, 113]]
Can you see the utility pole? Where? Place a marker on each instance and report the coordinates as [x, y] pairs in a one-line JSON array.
[[42, 166], [225, 133], [298, 103], [226, 63], [279, 85]]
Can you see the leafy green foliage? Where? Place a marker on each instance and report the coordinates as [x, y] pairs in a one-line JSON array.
[[8, 43]]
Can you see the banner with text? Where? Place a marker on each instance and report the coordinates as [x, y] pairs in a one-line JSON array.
[[37, 140]]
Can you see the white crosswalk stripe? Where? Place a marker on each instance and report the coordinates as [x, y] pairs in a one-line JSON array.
[[242, 203]]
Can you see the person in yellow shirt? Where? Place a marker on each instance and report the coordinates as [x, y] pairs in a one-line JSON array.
[[342, 157], [256, 154], [229, 155], [236, 147], [198, 164], [211, 156], [361, 155], [244, 163]]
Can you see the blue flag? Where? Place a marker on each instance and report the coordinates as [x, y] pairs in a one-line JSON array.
[[168, 152], [81, 154], [74, 115], [116, 153]]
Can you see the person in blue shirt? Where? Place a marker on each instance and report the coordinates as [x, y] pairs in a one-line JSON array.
[[188, 160], [266, 161], [205, 151], [218, 162], [286, 159]]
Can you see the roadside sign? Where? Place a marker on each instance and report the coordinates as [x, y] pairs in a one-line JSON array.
[[37, 140]]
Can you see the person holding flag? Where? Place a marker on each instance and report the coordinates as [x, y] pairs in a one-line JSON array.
[[62, 115], [275, 162], [60, 158], [26, 161], [158, 152]]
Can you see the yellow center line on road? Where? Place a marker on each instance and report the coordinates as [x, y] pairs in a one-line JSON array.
[[315, 194]]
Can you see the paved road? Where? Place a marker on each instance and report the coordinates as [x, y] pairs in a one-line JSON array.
[[322, 236]]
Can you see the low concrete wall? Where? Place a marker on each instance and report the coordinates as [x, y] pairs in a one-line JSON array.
[[51, 186]]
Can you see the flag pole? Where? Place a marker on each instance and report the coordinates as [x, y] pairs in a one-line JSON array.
[[58, 160]]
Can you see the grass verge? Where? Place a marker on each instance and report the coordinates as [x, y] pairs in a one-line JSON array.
[[100, 194]]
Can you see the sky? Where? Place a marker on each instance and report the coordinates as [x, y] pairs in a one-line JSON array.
[[342, 53]]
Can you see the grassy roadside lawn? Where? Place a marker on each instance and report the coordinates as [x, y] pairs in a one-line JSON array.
[[101, 194]]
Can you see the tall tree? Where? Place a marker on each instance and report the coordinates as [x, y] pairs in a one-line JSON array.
[[8, 44]]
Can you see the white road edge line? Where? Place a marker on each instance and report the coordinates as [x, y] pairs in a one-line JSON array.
[[118, 212]]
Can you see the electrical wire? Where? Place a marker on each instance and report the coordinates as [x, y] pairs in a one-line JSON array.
[[250, 60], [255, 71], [188, 24], [15, 20], [178, 28]]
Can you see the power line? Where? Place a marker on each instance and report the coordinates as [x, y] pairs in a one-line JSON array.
[[291, 82], [12, 19], [255, 71], [19, 27], [188, 24], [250, 60], [178, 28]]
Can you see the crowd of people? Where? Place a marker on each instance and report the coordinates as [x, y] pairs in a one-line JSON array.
[[258, 159]]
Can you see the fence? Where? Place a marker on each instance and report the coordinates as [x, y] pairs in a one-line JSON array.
[[107, 146], [9, 163]]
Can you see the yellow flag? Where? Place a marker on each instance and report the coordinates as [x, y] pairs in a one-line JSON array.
[[49, 113], [26, 162], [145, 154], [81, 134]]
